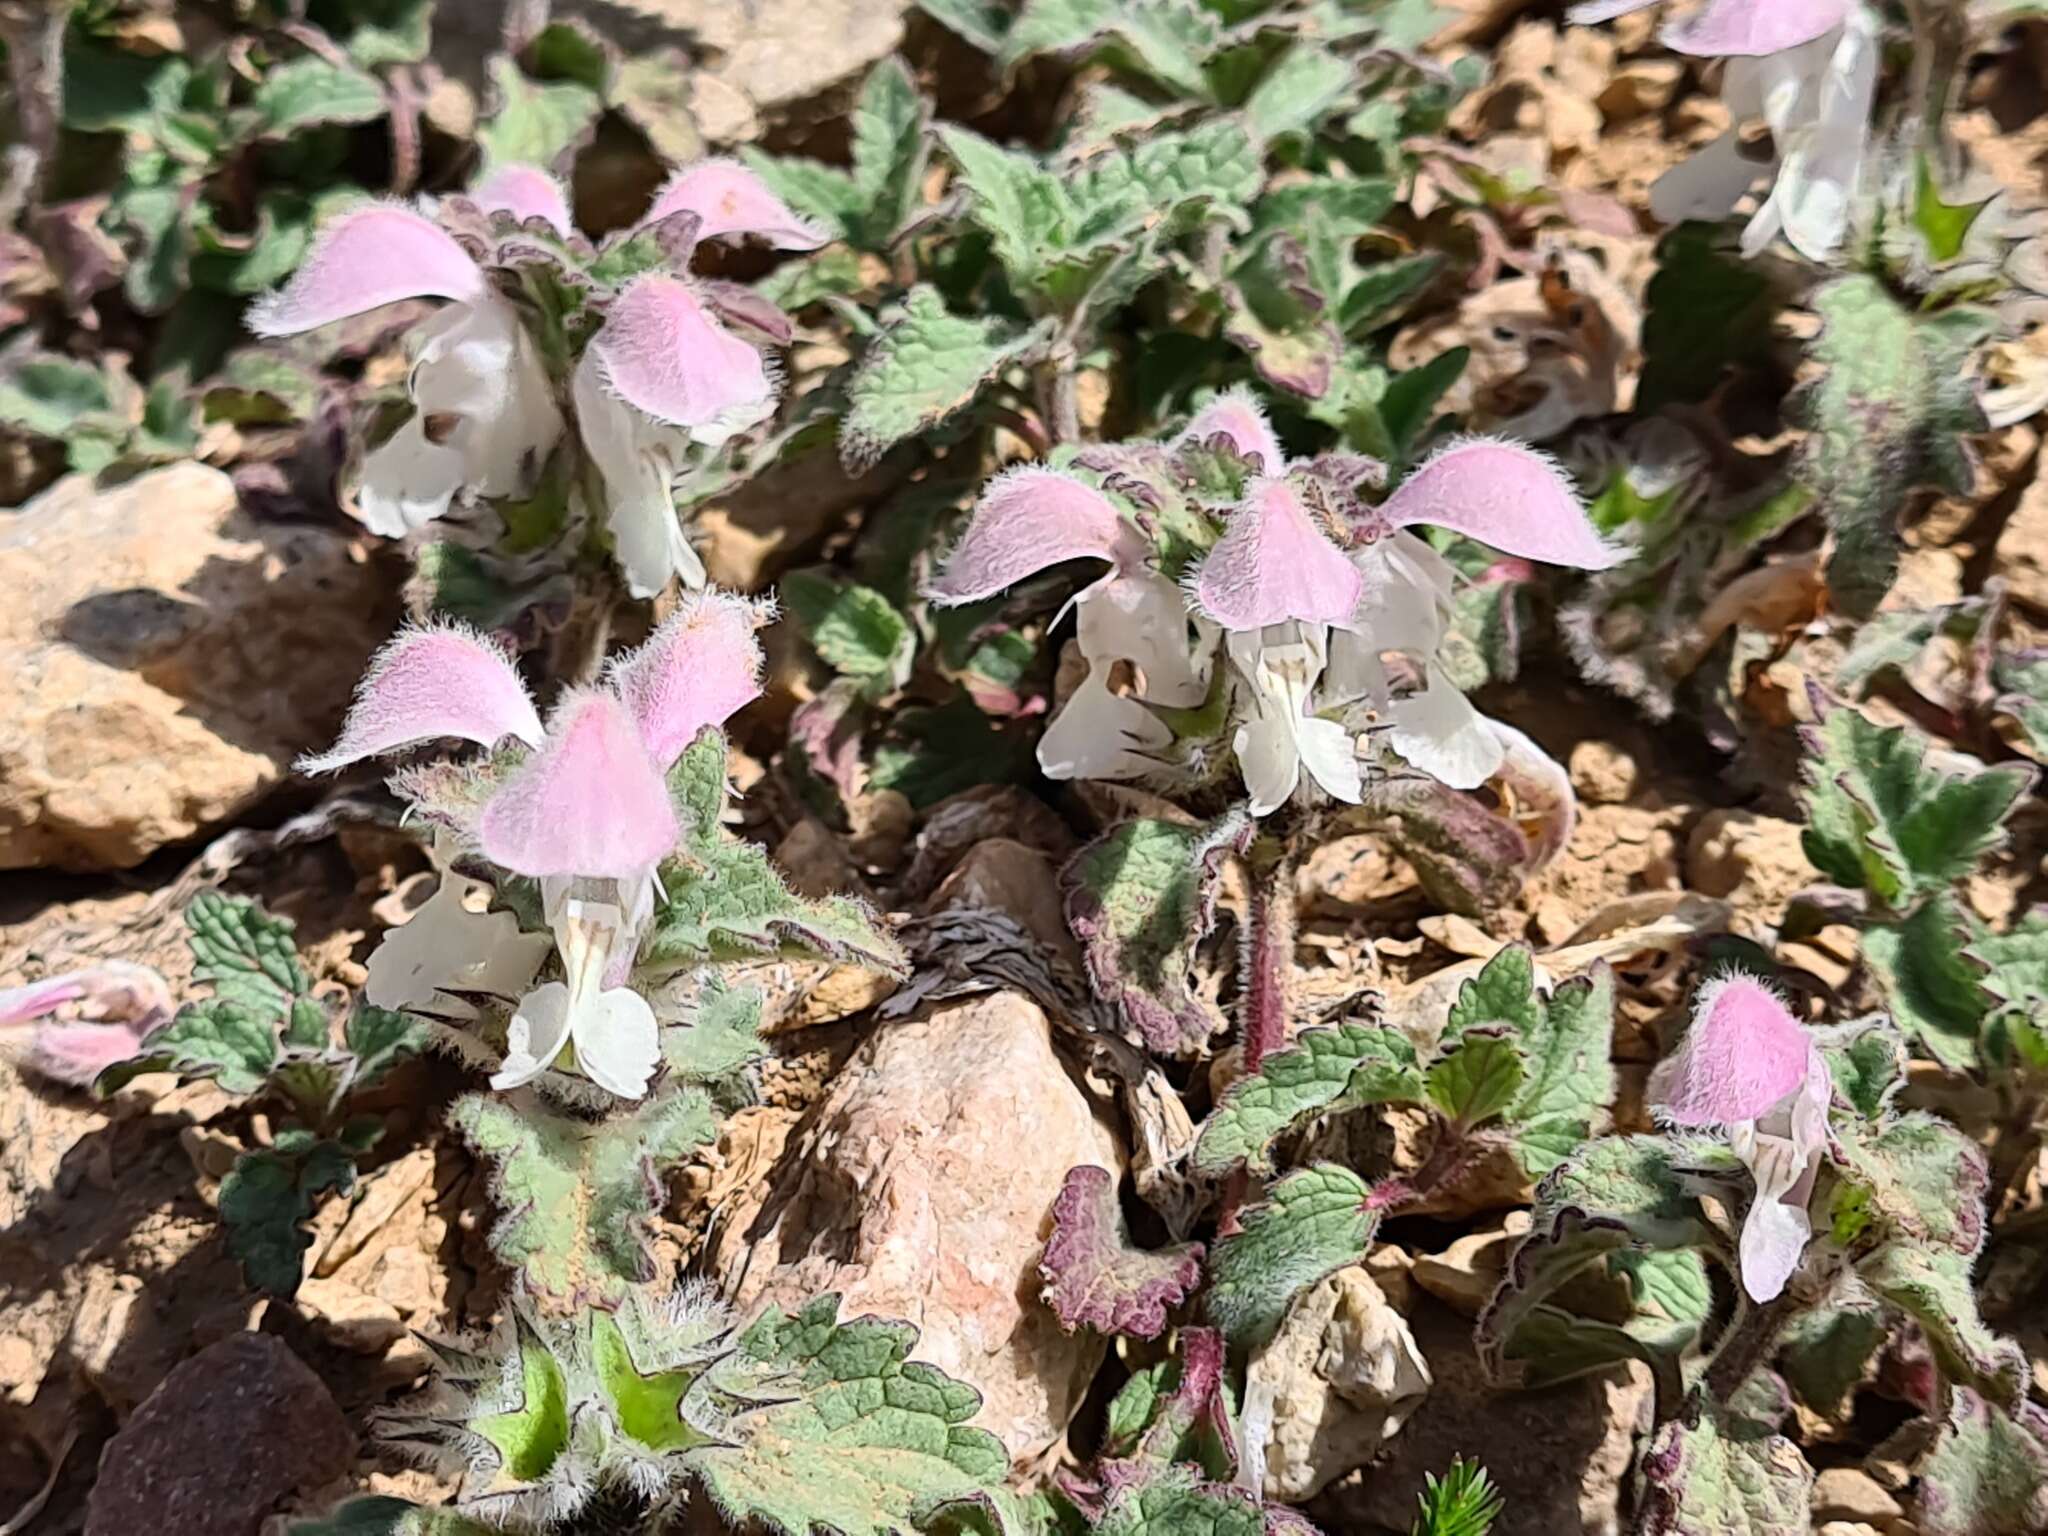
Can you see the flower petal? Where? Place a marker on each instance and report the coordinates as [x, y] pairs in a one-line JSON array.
[[590, 802], [449, 944], [1593, 12], [1237, 415], [663, 353], [1098, 734], [536, 1035], [1143, 618], [1743, 1054], [1708, 185], [618, 1042], [637, 458], [1509, 498], [408, 481], [1274, 564], [1728, 28], [1774, 1236], [1546, 807], [732, 200], [427, 683], [697, 669], [525, 192], [371, 257], [1440, 732], [1026, 520], [120, 1006]]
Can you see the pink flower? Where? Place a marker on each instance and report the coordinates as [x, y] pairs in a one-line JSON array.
[[1747, 1068], [662, 373], [73, 1027], [586, 815]]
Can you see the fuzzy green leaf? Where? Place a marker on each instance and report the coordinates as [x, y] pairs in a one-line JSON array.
[[1932, 1286], [534, 123], [379, 1039], [1305, 83], [1892, 412], [310, 91], [1477, 1078], [249, 956], [1707, 311], [890, 148], [858, 632], [233, 1044], [647, 1404], [924, 366], [1987, 1474], [1932, 985], [1917, 1177], [1714, 1477], [723, 898], [1173, 1500], [265, 1201], [1880, 817], [1569, 1077], [1322, 1071], [855, 1437], [1868, 1066], [1024, 208], [1827, 1354], [721, 1040], [1140, 898], [575, 1194], [1164, 39], [1311, 1223], [823, 193]]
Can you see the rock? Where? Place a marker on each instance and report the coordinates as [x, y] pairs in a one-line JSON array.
[[227, 1435], [1022, 882], [379, 1199], [1465, 1274], [348, 1319], [1603, 773], [1755, 861], [1391, 1268], [1558, 1456], [163, 658], [1851, 1494], [919, 1187], [1330, 1389]]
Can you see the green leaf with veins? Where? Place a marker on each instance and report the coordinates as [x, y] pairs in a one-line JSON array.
[[1932, 985], [1916, 1177], [891, 144], [648, 1405], [721, 1040], [265, 1201], [1167, 40], [925, 365], [1708, 1475], [1986, 1474], [309, 91], [851, 1435], [1312, 1223], [1882, 818], [1173, 1500], [1322, 1071], [1933, 1287], [532, 1434], [534, 123], [247, 955], [1827, 1353], [1867, 1064], [234, 1044], [574, 1195], [857, 632], [1475, 1079]]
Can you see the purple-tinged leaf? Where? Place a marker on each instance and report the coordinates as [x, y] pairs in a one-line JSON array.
[[1987, 1473], [732, 200], [591, 802], [1198, 1404], [525, 192], [430, 683], [1743, 1054], [1094, 1278], [1718, 1476], [1237, 416], [1274, 564], [365, 259], [1469, 858], [73, 1027], [1506, 496], [1140, 898], [1753, 28], [696, 670], [1026, 520], [738, 305], [663, 353]]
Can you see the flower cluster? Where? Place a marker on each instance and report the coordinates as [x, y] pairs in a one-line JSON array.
[[667, 368], [579, 805], [1330, 614], [1808, 69]]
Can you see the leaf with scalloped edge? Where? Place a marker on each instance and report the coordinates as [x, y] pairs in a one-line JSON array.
[[1140, 898], [1931, 984], [1866, 1062], [1917, 1177], [1826, 1354], [1477, 1078], [1095, 1278], [722, 898], [574, 1195], [850, 1435], [1311, 1223], [1322, 1071], [1987, 1472], [1933, 1287], [1716, 1477], [1881, 818], [924, 366]]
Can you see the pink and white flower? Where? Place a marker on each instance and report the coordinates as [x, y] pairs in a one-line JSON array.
[[1748, 1069], [586, 814], [662, 374], [1316, 590], [1029, 519], [74, 1026], [1809, 69]]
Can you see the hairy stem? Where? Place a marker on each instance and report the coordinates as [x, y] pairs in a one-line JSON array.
[[1059, 400], [1941, 43], [1268, 955], [1752, 1342]]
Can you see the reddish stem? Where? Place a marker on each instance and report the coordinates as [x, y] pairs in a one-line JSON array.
[[1269, 961]]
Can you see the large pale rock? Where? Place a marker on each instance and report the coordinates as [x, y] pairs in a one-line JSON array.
[[163, 658], [919, 1188], [229, 1433], [1332, 1387]]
